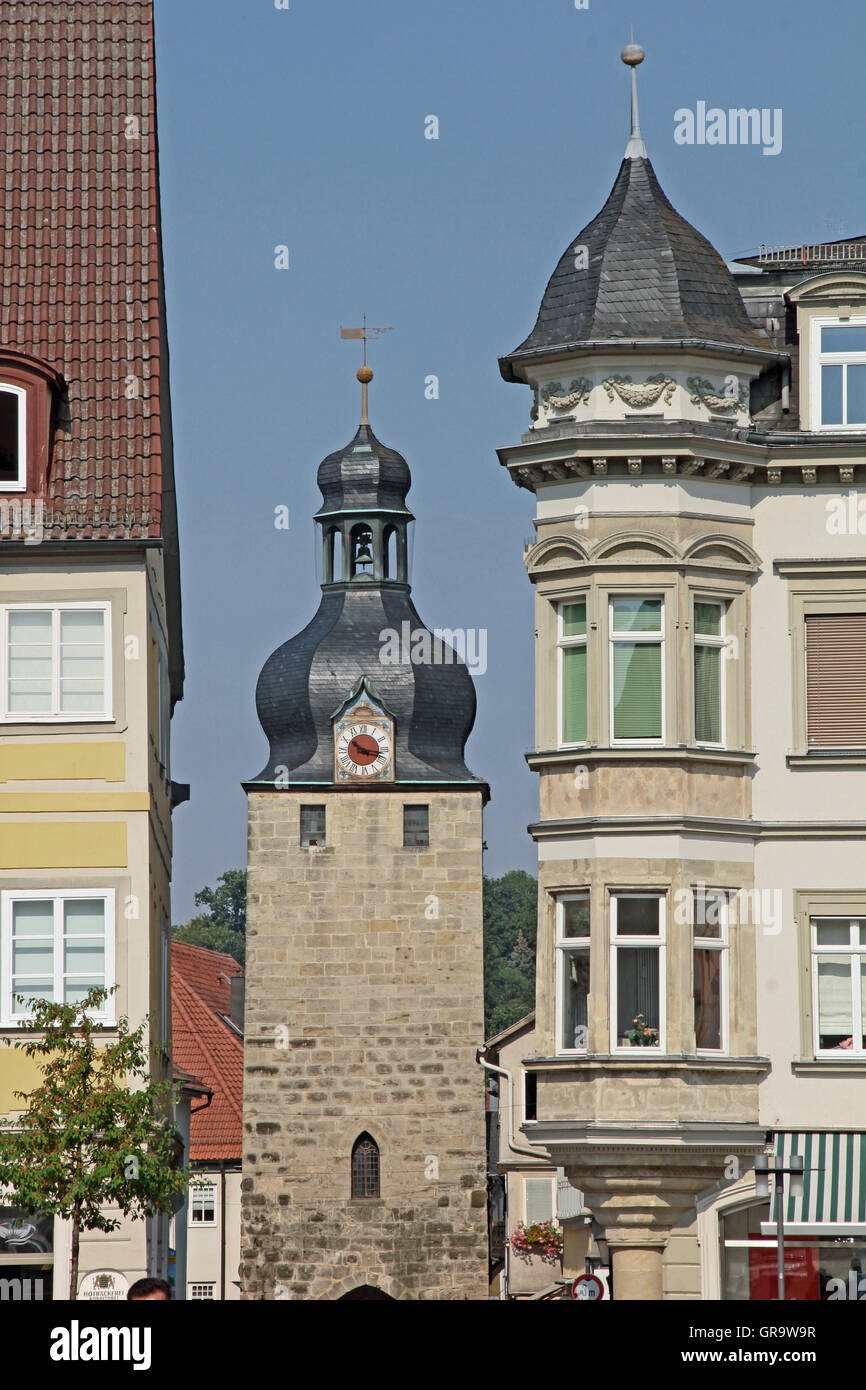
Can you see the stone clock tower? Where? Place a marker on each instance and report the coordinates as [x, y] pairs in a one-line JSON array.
[[364, 1149]]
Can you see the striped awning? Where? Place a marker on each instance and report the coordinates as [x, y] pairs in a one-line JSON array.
[[834, 1184]]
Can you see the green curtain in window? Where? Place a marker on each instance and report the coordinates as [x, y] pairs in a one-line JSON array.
[[573, 694], [637, 690], [708, 694]]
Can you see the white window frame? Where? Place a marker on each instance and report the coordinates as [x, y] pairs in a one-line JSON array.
[[565, 946], [202, 1189], [20, 485], [656, 639], [703, 640], [541, 1177], [195, 1297], [57, 716], [561, 643], [854, 953], [57, 896], [722, 945], [652, 942], [821, 359]]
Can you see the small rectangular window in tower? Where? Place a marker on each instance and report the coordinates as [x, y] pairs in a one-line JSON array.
[[12, 456], [416, 827], [312, 827]]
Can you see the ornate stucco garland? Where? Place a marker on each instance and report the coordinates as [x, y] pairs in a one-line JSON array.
[[637, 395], [555, 397], [719, 405]]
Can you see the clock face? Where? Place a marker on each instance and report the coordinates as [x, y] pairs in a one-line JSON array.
[[363, 750]]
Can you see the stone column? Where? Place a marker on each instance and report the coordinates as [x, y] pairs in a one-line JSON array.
[[636, 1267]]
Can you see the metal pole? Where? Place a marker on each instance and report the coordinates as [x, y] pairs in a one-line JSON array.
[[780, 1230]]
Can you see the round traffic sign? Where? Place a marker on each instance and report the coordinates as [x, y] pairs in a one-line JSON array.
[[587, 1288]]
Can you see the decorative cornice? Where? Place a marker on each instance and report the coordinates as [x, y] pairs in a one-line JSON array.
[[693, 1136], [740, 459], [585, 827], [567, 757], [673, 1062]]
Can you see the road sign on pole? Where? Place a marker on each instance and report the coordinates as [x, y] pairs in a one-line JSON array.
[[587, 1289]]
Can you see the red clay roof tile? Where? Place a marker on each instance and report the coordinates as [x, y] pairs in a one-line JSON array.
[[208, 1047], [80, 252]]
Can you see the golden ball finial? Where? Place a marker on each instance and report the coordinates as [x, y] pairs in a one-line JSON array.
[[365, 375]]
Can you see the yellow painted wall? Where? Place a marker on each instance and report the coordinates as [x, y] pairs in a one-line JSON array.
[[61, 762], [17, 1073], [63, 845]]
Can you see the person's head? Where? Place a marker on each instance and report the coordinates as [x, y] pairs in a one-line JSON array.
[[149, 1289]]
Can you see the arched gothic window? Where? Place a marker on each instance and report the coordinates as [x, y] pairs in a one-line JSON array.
[[365, 1167]]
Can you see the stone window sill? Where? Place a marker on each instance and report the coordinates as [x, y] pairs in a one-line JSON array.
[[828, 1066], [824, 758]]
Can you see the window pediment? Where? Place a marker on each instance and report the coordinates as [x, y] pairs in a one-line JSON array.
[[829, 287], [555, 552], [720, 549], [635, 546]]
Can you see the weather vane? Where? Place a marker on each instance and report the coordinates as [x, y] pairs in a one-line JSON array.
[[364, 373]]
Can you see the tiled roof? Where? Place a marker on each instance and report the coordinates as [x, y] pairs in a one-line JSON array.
[[650, 276], [208, 1047], [80, 257]]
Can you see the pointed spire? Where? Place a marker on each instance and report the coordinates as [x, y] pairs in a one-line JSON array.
[[633, 55]]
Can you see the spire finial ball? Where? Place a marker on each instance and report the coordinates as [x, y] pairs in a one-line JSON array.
[[632, 55], [364, 375]]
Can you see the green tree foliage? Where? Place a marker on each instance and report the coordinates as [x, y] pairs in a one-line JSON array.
[[510, 914], [223, 926], [97, 1132]]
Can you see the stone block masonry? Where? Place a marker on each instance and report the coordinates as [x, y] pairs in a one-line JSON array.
[[364, 1008]]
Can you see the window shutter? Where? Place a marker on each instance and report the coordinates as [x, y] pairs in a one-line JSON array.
[[836, 680], [637, 683], [574, 694], [539, 1200], [708, 694]]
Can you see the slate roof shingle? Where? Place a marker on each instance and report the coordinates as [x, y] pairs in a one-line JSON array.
[[651, 276]]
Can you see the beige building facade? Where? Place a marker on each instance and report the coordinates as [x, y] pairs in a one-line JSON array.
[[696, 453]]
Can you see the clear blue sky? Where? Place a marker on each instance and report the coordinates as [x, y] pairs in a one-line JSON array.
[[305, 127]]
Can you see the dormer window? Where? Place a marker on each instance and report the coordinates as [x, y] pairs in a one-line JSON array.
[[13, 437], [839, 374], [31, 393]]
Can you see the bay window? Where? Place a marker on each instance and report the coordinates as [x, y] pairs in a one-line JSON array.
[[637, 670], [572, 672], [709, 653], [838, 948], [572, 972], [55, 946], [637, 970], [55, 663]]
